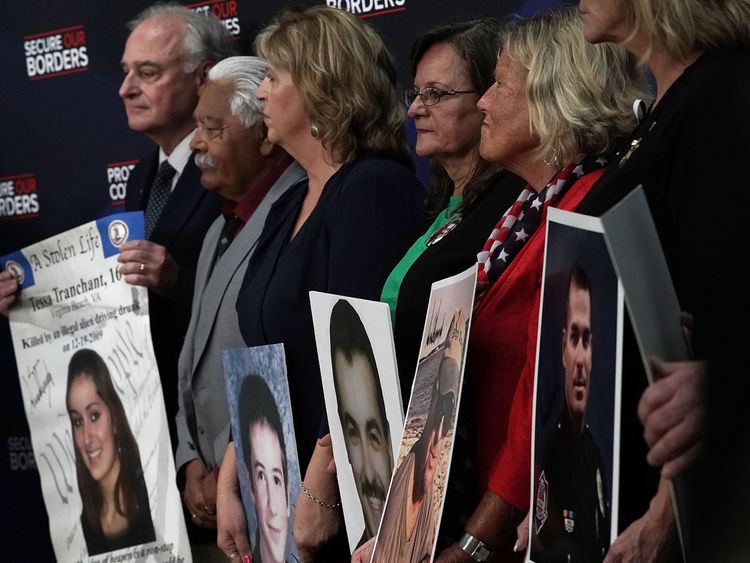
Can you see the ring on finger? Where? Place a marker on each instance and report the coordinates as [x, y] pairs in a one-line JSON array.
[[233, 555], [141, 268]]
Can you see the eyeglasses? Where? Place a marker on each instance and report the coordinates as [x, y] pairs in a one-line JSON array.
[[431, 95], [210, 132]]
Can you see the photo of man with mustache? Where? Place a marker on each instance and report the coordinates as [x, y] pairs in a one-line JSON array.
[[361, 410]]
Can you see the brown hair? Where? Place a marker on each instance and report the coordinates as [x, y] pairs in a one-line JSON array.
[[477, 43]]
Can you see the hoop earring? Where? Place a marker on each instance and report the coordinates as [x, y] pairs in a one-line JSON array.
[[555, 159], [314, 131]]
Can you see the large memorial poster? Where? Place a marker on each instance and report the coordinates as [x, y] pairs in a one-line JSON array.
[[574, 474], [413, 508], [93, 398], [363, 402], [260, 412]]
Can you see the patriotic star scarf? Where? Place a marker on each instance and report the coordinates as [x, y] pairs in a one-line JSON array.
[[523, 219]]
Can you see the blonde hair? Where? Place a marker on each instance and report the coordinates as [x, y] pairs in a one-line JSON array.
[[346, 77], [681, 27], [580, 95]]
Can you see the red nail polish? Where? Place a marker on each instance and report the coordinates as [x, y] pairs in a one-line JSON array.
[[247, 558]]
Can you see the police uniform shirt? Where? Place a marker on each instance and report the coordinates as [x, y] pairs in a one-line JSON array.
[[571, 515]]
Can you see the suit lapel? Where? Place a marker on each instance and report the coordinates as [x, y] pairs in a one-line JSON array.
[[139, 183], [205, 263], [275, 237], [182, 203], [201, 279], [215, 289]]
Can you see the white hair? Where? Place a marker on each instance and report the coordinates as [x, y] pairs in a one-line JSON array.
[[206, 38], [245, 74]]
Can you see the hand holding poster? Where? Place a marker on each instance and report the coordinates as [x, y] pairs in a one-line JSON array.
[[363, 403], [93, 398], [655, 316]]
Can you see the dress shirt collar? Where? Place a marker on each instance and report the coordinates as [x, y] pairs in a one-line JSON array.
[[245, 208], [179, 157]]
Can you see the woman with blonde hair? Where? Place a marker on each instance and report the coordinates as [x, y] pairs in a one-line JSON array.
[[330, 101], [689, 162], [558, 108]]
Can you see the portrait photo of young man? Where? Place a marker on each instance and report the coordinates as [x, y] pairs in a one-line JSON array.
[[363, 403], [575, 477]]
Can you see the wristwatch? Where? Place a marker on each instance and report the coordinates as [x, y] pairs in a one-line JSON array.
[[474, 548]]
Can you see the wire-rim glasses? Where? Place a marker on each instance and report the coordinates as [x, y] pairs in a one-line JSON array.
[[430, 95]]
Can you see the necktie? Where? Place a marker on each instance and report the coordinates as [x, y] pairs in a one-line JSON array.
[[231, 224], [158, 196]]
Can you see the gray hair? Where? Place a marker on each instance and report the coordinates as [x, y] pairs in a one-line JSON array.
[[206, 38], [245, 74]]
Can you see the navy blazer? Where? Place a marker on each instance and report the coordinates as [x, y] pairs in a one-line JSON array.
[[181, 227], [369, 213]]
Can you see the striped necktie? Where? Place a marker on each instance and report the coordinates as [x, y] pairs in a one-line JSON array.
[[158, 196]]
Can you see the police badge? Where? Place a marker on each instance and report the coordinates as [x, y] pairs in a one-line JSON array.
[[542, 493]]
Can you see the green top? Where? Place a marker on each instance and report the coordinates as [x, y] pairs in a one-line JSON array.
[[393, 283]]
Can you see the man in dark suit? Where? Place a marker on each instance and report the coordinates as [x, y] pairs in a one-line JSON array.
[[240, 164], [167, 56]]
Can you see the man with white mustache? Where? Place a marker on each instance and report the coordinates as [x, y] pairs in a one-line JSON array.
[[571, 514], [240, 164]]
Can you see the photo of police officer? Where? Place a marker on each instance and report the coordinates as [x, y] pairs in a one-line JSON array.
[[571, 522], [361, 411], [575, 477]]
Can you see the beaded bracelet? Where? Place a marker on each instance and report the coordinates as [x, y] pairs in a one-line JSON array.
[[317, 501]]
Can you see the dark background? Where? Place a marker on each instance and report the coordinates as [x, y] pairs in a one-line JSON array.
[[65, 130]]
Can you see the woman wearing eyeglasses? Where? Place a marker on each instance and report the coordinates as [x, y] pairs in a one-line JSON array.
[[452, 65], [557, 107]]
